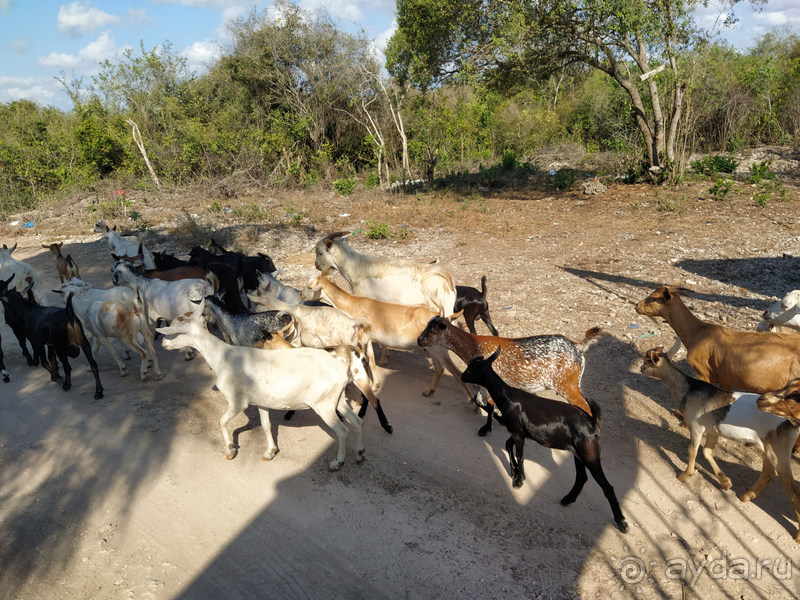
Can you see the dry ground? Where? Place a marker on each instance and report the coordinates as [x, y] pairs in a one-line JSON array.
[[131, 496]]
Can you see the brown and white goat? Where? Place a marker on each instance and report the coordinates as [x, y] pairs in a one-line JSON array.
[[531, 363], [736, 416], [393, 326], [66, 267]]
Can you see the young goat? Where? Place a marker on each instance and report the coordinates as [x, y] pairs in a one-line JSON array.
[[275, 379], [784, 313], [474, 305], [736, 416], [242, 328], [66, 267], [552, 424], [58, 329], [532, 363]]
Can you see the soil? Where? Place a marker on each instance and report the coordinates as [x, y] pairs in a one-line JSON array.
[[131, 496]]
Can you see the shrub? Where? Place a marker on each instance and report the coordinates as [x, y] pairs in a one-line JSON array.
[[761, 172], [721, 189], [710, 165], [345, 187], [509, 160], [563, 179], [381, 231], [373, 181]]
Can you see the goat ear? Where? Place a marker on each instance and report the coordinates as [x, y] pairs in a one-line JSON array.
[[57, 291], [10, 250], [114, 228], [441, 325]]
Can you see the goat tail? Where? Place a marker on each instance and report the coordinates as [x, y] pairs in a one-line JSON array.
[[595, 417], [484, 288], [591, 336]]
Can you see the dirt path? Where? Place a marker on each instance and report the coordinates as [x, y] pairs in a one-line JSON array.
[[131, 496]]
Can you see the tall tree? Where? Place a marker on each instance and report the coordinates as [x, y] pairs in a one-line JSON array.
[[635, 42]]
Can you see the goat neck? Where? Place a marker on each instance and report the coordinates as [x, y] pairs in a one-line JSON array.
[[686, 325]]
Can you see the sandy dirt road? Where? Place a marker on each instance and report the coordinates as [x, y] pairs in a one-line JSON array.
[[131, 496]]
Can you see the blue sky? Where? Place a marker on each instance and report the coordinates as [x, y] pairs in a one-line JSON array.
[[41, 38]]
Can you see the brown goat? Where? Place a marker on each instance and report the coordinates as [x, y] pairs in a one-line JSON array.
[[531, 363], [67, 269], [751, 361]]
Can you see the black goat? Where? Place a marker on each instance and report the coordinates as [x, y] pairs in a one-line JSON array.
[[248, 267], [6, 376], [166, 261], [474, 305], [552, 424], [17, 326], [57, 328]]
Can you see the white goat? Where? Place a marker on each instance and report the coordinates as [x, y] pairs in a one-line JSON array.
[[268, 284], [785, 313], [122, 246], [274, 379], [322, 326], [162, 299], [23, 274], [390, 280], [120, 319]]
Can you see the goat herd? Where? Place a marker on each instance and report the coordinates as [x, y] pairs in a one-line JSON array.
[[266, 356]]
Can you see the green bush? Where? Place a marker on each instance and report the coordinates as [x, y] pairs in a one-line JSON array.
[[510, 161], [761, 172], [345, 187], [563, 179], [490, 175], [380, 231], [711, 165], [721, 189], [373, 181]]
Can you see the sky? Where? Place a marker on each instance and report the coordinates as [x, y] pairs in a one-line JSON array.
[[41, 38]]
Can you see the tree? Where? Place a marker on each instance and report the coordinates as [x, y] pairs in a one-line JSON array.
[[638, 43]]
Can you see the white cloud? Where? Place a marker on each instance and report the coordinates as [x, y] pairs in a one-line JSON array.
[[200, 3], [39, 89], [201, 53], [5, 6], [20, 45], [383, 38], [77, 19], [336, 8], [89, 56], [138, 16]]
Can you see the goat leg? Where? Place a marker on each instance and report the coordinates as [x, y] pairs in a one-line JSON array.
[[596, 469], [580, 480], [381, 416]]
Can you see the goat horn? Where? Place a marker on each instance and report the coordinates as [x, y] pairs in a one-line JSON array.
[[674, 350], [338, 234], [495, 354]]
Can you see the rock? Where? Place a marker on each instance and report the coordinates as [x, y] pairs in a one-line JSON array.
[[593, 187]]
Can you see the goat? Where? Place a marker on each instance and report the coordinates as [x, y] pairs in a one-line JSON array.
[[242, 328], [247, 266], [474, 305], [66, 267], [120, 246], [531, 363], [120, 319], [735, 416], [276, 379], [268, 284], [752, 361], [387, 279], [6, 376], [392, 325], [171, 274], [166, 261], [162, 299], [226, 281], [23, 275], [56, 328], [785, 313], [552, 424]]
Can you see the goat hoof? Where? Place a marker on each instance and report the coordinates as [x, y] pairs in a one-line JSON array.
[[517, 483], [725, 483], [388, 429], [66, 387], [747, 496], [98, 395], [483, 431], [7, 379], [124, 373], [683, 477], [623, 525], [360, 456], [230, 455], [427, 393], [335, 465]]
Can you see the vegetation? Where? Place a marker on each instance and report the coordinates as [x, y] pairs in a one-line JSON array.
[[476, 88]]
